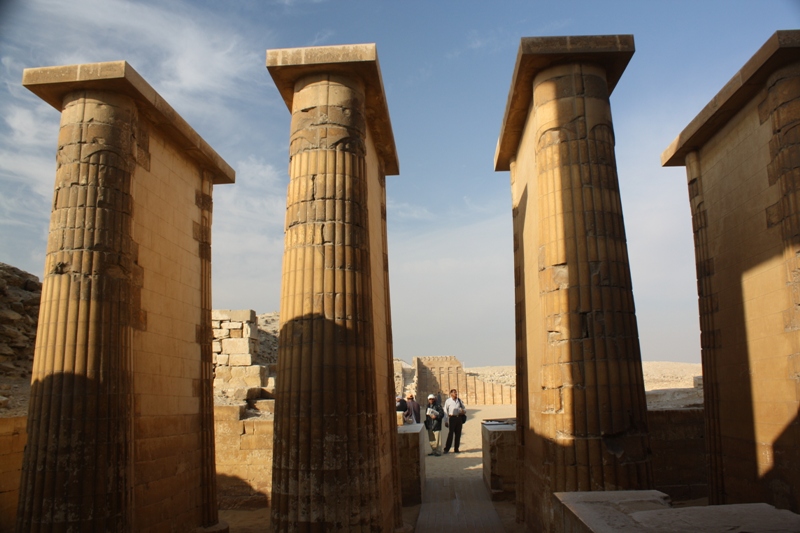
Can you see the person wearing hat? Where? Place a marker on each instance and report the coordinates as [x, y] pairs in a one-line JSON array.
[[400, 404], [412, 414], [433, 423]]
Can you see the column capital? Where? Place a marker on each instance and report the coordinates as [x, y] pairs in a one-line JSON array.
[[612, 52], [287, 65], [51, 84]]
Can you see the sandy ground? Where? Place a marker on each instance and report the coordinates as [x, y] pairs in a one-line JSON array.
[[469, 462], [657, 374]]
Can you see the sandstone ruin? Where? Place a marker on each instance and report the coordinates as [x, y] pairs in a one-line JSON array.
[[742, 159], [120, 427], [582, 420], [335, 454]]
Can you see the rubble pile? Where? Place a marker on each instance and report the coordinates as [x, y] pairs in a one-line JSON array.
[[20, 293]]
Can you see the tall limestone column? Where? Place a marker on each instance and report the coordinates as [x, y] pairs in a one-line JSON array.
[[77, 462], [586, 407], [120, 424], [335, 449]]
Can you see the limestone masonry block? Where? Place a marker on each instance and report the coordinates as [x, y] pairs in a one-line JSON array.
[[238, 346], [249, 331], [244, 315], [265, 405], [228, 412], [240, 359]]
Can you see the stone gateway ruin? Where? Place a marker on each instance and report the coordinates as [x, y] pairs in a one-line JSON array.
[[581, 410], [120, 426], [123, 433]]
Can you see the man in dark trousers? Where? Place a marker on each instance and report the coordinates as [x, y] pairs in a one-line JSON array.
[[453, 408], [433, 423]]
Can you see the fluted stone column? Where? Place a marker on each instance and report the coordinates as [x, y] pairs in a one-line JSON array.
[[76, 469], [332, 430], [126, 301], [586, 407]]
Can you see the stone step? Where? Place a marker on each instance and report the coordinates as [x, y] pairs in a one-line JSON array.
[[229, 412], [263, 405]]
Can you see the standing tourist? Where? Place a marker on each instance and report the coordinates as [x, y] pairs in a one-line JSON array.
[[400, 404], [433, 423], [454, 409], [412, 413]]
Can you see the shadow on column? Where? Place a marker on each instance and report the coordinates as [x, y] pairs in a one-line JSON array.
[[328, 439], [76, 468]]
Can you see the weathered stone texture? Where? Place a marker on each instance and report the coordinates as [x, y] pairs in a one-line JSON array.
[[335, 447], [499, 446], [121, 405], [243, 457], [582, 420], [649, 511], [742, 158], [439, 374], [20, 294], [412, 448], [680, 465], [13, 436]]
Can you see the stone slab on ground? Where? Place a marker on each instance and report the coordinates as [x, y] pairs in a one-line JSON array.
[[412, 446], [500, 459], [649, 511]]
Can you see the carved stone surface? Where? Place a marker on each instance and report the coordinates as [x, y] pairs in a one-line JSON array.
[[742, 159], [75, 466], [582, 419], [324, 385], [121, 428]]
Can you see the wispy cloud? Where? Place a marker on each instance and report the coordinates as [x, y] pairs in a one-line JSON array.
[[322, 37], [406, 211], [197, 62]]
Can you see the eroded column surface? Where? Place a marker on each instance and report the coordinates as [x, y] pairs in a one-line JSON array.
[[76, 470], [592, 411], [325, 469]]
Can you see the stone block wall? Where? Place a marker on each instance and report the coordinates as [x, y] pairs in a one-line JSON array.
[[234, 350], [13, 436], [244, 456], [742, 160], [440, 374], [680, 466]]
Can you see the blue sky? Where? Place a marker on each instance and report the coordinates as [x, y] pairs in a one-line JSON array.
[[447, 70]]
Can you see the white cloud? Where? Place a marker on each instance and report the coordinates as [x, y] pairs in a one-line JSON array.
[[406, 211]]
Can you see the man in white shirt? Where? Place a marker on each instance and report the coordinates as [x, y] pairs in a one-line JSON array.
[[453, 408]]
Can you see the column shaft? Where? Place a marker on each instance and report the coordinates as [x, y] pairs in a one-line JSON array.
[[76, 468], [325, 469], [593, 411]]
